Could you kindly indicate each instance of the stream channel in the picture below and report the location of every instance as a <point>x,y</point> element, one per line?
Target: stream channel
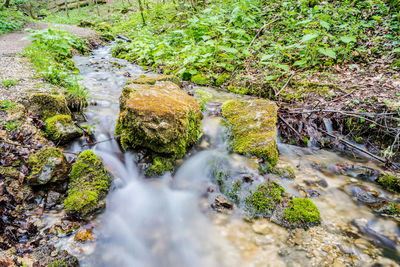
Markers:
<point>168,221</point>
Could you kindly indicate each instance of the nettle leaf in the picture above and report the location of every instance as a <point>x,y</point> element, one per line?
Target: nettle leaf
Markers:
<point>308,37</point>
<point>266,57</point>
<point>283,67</point>
<point>325,24</point>
<point>327,52</point>
<point>347,39</point>
<point>301,62</point>
<point>228,49</point>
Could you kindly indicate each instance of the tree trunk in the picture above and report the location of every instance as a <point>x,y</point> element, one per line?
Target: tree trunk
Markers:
<point>141,11</point>
<point>7,3</point>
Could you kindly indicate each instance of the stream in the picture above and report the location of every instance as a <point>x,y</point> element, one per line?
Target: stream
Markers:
<point>168,221</point>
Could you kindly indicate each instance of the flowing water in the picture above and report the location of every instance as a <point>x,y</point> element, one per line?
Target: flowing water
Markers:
<point>168,221</point>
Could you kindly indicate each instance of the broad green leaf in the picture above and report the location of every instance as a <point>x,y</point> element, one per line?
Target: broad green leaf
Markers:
<point>396,50</point>
<point>283,67</point>
<point>228,49</point>
<point>301,62</point>
<point>309,37</point>
<point>327,52</point>
<point>347,39</point>
<point>266,57</point>
<point>325,24</point>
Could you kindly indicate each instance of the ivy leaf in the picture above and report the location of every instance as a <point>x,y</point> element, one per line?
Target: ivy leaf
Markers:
<point>347,39</point>
<point>327,52</point>
<point>309,37</point>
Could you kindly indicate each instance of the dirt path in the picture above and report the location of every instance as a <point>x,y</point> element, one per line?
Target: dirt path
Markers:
<point>14,67</point>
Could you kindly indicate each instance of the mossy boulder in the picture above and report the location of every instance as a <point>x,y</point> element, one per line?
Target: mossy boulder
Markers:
<point>153,79</point>
<point>160,118</point>
<point>89,184</point>
<point>302,212</point>
<point>390,182</point>
<point>46,105</point>
<point>48,165</point>
<point>200,79</point>
<point>253,127</point>
<point>61,129</point>
<point>263,201</point>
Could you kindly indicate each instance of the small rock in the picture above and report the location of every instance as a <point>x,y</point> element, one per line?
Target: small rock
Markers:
<point>260,228</point>
<point>52,199</point>
<point>54,253</point>
<point>221,204</point>
<point>84,235</point>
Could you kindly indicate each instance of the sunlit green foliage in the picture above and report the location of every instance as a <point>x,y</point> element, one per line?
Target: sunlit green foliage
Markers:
<point>276,37</point>
<point>11,20</point>
<point>50,53</point>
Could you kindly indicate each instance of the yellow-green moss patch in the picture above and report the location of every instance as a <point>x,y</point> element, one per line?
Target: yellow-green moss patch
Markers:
<point>89,184</point>
<point>46,105</point>
<point>253,127</point>
<point>264,200</point>
<point>153,79</point>
<point>390,182</point>
<point>159,166</point>
<point>61,129</point>
<point>302,211</point>
<point>9,172</point>
<point>199,79</point>
<point>48,165</point>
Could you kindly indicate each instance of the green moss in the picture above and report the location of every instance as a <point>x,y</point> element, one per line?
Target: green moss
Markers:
<point>61,129</point>
<point>160,118</point>
<point>9,172</point>
<point>89,184</point>
<point>49,164</point>
<point>159,166</point>
<point>390,182</point>
<point>302,211</point>
<point>394,208</point>
<point>153,79</point>
<point>222,79</point>
<point>46,105</point>
<point>262,201</point>
<point>238,90</point>
<point>58,263</point>
<point>199,79</point>
<point>253,127</point>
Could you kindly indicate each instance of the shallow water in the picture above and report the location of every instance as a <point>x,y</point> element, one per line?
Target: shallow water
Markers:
<point>168,221</point>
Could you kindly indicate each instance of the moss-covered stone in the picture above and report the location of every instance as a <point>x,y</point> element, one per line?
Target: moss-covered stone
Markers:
<point>48,165</point>
<point>89,184</point>
<point>61,129</point>
<point>46,105</point>
<point>253,127</point>
<point>16,112</point>
<point>159,166</point>
<point>199,79</point>
<point>222,79</point>
<point>160,118</point>
<point>302,212</point>
<point>9,172</point>
<point>153,79</point>
<point>264,200</point>
<point>389,181</point>
<point>284,172</point>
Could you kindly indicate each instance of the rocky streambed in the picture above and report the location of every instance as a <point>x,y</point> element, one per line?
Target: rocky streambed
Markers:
<point>193,178</point>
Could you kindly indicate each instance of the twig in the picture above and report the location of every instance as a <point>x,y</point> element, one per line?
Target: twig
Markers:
<point>259,31</point>
<point>290,126</point>
<point>102,141</point>
<point>284,86</point>
<point>354,146</point>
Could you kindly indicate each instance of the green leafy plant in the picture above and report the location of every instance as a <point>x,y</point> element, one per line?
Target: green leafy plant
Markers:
<point>9,83</point>
<point>6,105</point>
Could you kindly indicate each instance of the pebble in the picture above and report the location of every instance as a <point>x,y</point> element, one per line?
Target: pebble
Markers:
<point>260,228</point>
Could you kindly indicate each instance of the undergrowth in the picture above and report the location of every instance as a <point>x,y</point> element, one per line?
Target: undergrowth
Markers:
<point>259,38</point>
<point>11,20</point>
<point>50,53</point>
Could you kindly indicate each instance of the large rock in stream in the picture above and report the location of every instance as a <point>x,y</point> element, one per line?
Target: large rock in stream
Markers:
<point>89,184</point>
<point>253,127</point>
<point>156,115</point>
